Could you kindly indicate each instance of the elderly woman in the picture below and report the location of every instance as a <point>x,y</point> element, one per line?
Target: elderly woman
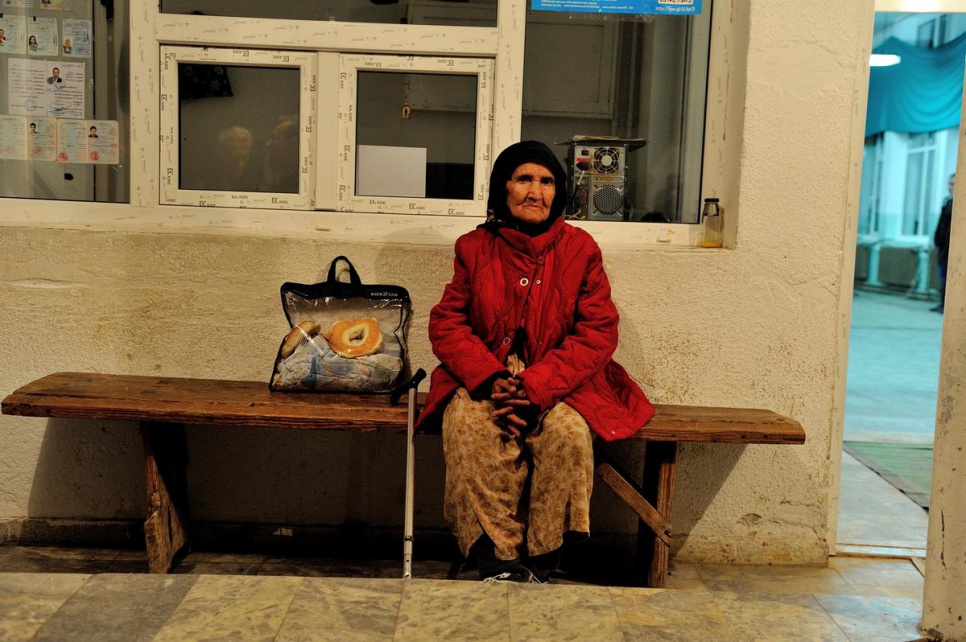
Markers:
<point>525,333</point>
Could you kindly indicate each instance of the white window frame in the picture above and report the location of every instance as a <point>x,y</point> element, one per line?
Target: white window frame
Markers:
<point>503,44</point>
<point>171,193</point>
<point>350,65</point>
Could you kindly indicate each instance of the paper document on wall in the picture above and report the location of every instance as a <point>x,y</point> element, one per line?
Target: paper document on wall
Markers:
<point>76,39</point>
<point>94,142</point>
<point>42,88</point>
<point>13,34</point>
<point>391,171</point>
<point>24,138</point>
<point>42,37</point>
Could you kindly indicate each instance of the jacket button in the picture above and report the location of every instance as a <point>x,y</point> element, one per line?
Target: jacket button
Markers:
<point>537,282</point>
<point>506,341</point>
<point>524,281</point>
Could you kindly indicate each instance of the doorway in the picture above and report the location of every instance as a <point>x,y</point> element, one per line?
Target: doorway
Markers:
<point>896,330</point>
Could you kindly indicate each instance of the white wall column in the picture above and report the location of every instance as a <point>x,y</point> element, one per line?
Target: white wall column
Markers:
<point>944,609</point>
<point>892,186</point>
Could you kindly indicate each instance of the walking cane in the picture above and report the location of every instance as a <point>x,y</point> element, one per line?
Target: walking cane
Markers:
<point>411,386</point>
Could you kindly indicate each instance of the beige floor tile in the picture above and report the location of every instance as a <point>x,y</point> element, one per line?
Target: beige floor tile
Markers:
<point>684,577</point>
<point>685,584</point>
<point>835,585</point>
<point>884,590</point>
<point>45,559</point>
<point>346,610</point>
<point>210,557</point>
<point>448,610</point>
<point>683,571</point>
<point>669,616</point>
<point>121,608</point>
<point>27,600</point>
<point>787,618</point>
<point>862,550</point>
<point>780,579</point>
<point>71,552</point>
<point>749,571</point>
<point>873,512</point>
<point>883,619</point>
<point>231,608</point>
<point>548,612</point>
<point>859,571</point>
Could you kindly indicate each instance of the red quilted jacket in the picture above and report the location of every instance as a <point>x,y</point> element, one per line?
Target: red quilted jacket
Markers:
<point>554,286</point>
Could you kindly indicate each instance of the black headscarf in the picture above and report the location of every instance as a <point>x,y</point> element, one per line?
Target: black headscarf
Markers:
<point>528,151</point>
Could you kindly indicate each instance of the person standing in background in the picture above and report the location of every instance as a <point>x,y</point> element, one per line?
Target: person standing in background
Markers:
<point>941,240</point>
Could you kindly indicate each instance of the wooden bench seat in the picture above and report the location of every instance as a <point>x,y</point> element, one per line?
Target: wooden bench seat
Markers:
<point>164,405</point>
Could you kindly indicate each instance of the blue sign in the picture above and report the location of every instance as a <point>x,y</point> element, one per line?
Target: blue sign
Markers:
<point>659,7</point>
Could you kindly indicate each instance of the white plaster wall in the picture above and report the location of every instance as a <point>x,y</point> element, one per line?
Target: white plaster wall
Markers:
<point>944,610</point>
<point>757,325</point>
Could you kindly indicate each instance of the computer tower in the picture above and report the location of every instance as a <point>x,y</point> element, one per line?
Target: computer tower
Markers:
<point>597,180</point>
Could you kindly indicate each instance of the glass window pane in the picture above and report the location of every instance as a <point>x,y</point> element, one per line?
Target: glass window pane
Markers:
<point>913,197</point>
<point>628,78</point>
<point>61,81</point>
<point>927,196</point>
<point>481,14</point>
<point>420,111</point>
<point>238,128</point>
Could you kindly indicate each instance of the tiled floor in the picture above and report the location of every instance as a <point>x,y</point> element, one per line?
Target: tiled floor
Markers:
<point>858,599</point>
<point>891,397</point>
<point>876,518</point>
<point>893,373</point>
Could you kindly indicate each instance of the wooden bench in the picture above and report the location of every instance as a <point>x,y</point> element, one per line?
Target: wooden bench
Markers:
<point>165,405</point>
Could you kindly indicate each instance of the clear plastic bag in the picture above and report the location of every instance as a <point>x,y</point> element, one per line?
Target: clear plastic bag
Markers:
<point>344,337</point>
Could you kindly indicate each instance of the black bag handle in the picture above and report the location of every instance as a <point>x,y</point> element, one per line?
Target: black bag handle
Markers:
<point>353,275</point>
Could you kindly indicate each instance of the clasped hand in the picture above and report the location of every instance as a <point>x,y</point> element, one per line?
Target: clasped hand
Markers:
<point>510,402</point>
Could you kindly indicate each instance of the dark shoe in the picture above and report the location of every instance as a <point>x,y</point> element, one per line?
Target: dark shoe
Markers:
<point>495,570</point>
<point>519,576</point>
<point>543,565</point>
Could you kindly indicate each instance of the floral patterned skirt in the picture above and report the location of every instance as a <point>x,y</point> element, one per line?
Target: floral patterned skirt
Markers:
<point>524,492</point>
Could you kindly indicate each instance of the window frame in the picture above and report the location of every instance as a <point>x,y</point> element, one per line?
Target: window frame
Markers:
<point>350,66</point>
<point>504,44</point>
<point>171,192</point>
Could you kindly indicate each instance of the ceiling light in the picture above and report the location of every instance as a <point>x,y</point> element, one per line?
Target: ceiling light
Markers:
<point>883,60</point>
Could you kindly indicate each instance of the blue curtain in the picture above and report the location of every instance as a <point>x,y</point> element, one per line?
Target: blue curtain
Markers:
<point>922,93</point>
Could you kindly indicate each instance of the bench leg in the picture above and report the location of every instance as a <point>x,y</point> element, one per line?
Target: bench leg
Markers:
<point>657,488</point>
<point>620,482</point>
<point>166,527</point>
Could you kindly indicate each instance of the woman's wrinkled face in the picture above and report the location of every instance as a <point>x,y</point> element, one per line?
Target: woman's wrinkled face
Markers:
<point>530,192</point>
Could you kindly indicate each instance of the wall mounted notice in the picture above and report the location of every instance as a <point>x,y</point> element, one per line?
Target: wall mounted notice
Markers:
<point>13,34</point>
<point>55,5</point>
<point>28,138</point>
<point>76,40</point>
<point>659,7</point>
<point>88,141</point>
<point>42,37</point>
<point>42,88</point>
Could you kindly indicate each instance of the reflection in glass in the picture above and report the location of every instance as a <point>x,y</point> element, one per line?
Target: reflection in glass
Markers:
<point>480,13</point>
<point>435,112</point>
<point>632,77</point>
<point>238,128</point>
